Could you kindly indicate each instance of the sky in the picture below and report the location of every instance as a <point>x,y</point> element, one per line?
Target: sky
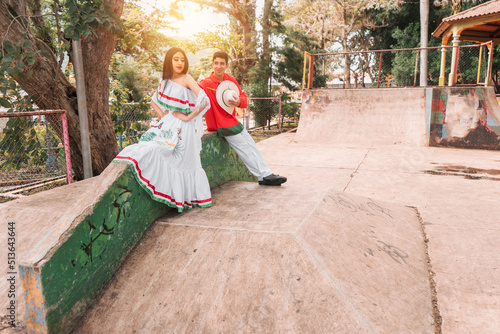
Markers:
<point>195,20</point>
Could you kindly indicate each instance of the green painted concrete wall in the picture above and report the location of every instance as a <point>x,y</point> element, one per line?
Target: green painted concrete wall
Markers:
<point>67,283</point>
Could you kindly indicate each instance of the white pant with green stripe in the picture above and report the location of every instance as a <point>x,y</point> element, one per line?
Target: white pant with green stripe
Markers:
<point>244,145</point>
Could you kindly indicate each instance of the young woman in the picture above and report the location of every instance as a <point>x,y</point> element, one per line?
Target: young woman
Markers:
<point>166,161</point>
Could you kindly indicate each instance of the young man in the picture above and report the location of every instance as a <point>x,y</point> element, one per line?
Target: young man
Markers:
<point>227,125</point>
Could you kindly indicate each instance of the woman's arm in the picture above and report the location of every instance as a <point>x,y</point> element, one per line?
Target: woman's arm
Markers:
<point>193,114</point>
<point>158,111</point>
<point>191,84</point>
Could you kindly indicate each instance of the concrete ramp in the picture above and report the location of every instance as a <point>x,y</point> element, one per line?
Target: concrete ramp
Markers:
<point>363,117</point>
<point>464,117</point>
<point>334,263</point>
<point>66,243</point>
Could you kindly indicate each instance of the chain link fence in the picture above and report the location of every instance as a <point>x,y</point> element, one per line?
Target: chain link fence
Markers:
<point>262,112</point>
<point>396,68</point>
<point>34,150</point>
<point>34,146</point>
<point>130,121</point>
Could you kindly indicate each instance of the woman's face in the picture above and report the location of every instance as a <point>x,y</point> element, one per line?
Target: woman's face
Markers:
<point>178,62</point>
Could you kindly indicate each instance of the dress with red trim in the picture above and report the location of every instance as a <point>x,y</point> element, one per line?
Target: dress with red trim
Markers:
<point>166,161</point>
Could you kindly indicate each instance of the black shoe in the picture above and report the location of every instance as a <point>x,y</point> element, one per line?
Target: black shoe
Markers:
<point>272,180</point>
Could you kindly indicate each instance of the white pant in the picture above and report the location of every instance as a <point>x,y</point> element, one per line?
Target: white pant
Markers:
<point>245,147</point>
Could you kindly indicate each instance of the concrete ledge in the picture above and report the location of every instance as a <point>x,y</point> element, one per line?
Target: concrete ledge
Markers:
<point>64,271</point>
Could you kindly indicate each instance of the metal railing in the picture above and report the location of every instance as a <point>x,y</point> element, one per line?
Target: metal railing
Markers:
<point>468,65</point>
<point>34,150</point>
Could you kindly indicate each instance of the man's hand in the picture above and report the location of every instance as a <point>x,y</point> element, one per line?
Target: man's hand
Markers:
<point>234,102</point>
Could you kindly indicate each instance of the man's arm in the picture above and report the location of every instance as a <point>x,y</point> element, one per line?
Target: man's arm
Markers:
<point>243,99</point>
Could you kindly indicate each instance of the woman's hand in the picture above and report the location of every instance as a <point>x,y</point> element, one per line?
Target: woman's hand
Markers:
<point>158,111</point>
<point>193,114</point>
<point>181,116</point>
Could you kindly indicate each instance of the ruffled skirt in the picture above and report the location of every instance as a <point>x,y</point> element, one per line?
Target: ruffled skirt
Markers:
<point>166,163</point>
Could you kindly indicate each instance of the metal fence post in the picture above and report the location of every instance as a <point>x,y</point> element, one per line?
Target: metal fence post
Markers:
<point>82,109</point>
<point>69,171</point>
<point>304,71</point>
<point>490,64</point>
<point>311,72</point>
<point>279,114</point>
<point>379,69</point>
<point>416,70</point>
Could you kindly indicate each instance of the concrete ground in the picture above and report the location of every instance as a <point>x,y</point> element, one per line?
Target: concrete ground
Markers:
<point>162,287</point>
<point>339,248</point>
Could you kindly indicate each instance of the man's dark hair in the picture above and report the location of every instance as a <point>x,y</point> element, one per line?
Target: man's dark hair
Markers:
<point>221,54</point>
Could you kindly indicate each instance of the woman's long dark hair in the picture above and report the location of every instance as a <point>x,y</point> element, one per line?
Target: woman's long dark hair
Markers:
<point>168,69</point>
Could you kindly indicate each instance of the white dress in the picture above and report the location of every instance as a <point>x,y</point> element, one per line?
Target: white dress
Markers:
<point>166,161</point>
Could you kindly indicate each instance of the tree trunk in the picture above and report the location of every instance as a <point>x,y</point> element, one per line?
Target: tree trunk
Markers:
<point>51,90</point>
<point>347,59</point>
<point>266,27</point>
<point>244,13</point>
<point>424,36</point>
<point>246,17</point>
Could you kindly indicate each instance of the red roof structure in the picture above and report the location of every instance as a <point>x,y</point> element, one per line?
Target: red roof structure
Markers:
<point>478,24</point>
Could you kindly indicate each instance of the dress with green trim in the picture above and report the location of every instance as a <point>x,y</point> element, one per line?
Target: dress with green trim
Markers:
<point>166,161</point>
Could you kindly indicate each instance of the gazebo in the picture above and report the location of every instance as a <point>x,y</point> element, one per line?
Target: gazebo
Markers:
<point>479,24</point>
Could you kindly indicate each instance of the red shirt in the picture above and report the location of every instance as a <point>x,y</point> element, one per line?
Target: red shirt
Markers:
<point>217,118</point>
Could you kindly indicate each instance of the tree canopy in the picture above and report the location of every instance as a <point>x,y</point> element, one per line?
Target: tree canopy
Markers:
<point>124,43</point>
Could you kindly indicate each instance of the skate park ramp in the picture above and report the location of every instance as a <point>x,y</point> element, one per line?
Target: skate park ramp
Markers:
<point>66,243</point>
<point>363,117</point>
<point>370,234</point>
<point>326,251</point>
<point>350,264</point>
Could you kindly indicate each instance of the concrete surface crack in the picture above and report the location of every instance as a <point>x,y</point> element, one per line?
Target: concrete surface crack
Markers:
<point>352,174</point>
<point>434,300</point>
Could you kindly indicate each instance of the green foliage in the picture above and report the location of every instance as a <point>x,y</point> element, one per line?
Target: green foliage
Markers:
<point>14,63</point>
<point>289,69</point>
<point>403,64</point>
<point>204,67</point>
<point>21,144</point>
<point>266,109</point>
<point>130,120</point>
<point>222,38</point>
<point>14,99</point>
<point>82,16</point>
<point>140,37</point>
<point>24,143</point>
<point>289,110</point>
<point>261,108</point>
<point>134,77</point>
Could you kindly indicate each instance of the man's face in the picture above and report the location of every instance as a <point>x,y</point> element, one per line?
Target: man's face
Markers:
<point>220,66</point>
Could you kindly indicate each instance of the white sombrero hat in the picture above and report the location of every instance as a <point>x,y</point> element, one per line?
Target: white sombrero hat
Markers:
<point>227,90</point>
